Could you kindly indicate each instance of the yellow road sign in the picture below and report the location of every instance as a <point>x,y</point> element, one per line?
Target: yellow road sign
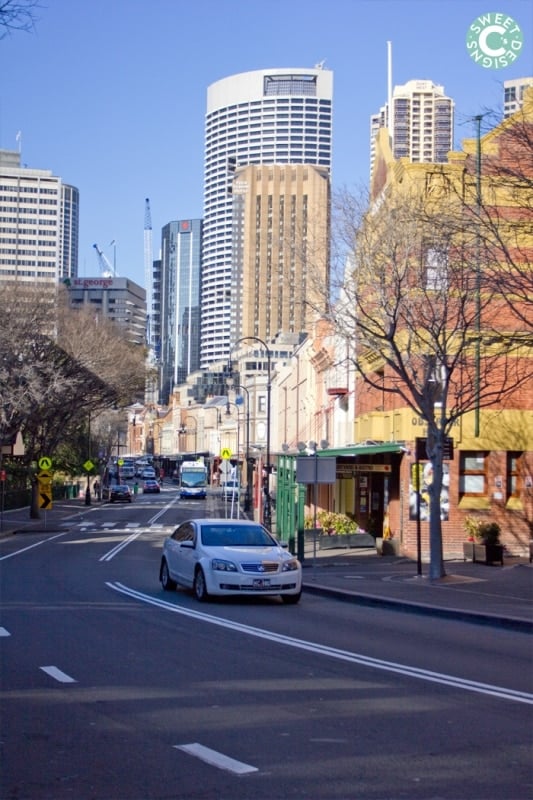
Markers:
<point>225,453</point>
<point>45,496</point>
<point>45,463</point>
<point>88,465</point>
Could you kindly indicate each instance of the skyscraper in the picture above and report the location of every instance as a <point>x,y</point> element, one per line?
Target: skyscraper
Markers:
<point>265,117</point>
<point>38,224</point>
<point>179,293</point>
<point>281,248</point>
<point>420,123</point>
<point>513,94</point>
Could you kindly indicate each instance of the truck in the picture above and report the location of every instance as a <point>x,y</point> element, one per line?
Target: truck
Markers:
<point>193,479</point>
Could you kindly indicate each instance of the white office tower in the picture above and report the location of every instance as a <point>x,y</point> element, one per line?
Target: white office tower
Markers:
<point>419,117</point>
<point>38,224</point>
<point>278,116</point>
<point>513,94</point>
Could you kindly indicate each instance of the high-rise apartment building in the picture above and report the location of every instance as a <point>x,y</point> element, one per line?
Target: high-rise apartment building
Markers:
<point>513,94</point>
<point>264,117</point>
<point>419,118</point>
<point>280,249</point>
<point>39,217</point>
<point>179,303</point>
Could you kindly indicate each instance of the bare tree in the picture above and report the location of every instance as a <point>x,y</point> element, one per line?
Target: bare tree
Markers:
<point>424,324</point>
<point>50,383</point>
<point>17,15</point>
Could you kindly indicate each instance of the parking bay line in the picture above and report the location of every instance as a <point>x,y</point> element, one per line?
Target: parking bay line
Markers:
<point>216,759</point>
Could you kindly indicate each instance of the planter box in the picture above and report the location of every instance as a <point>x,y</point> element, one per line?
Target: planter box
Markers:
<point>387,547</point>
<point>483,553</point>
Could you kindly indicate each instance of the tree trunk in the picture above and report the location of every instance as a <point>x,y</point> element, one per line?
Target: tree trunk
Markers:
<point>436,560</point>
<point>34,506</point>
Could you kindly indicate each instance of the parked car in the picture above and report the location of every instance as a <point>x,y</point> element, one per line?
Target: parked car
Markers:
<point>229,557</point>
<point>151,486</point>
<point>119,493</point>
<point>231,489</point>
<point>148,473</point>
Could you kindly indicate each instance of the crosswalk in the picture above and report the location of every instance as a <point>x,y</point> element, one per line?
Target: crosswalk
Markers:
<point>84,527</point>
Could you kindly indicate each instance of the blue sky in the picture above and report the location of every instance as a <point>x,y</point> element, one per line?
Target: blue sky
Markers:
<point>110,94</point>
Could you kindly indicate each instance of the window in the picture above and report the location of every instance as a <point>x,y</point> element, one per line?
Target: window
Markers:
<point>473,474</point>
<point>261,403</point>
<point>513,474</point>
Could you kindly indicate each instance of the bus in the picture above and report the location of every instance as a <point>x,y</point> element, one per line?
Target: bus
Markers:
<point>193,479</point>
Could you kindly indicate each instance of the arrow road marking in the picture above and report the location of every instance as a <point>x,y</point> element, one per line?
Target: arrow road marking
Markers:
<point>334,652</point>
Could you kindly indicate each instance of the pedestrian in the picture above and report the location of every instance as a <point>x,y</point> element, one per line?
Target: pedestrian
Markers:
<point>96,489</point>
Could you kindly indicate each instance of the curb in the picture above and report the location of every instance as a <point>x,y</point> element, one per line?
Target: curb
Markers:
<point>475,617</point>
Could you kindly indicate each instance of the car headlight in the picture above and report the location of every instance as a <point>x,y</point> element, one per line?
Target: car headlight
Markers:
<point>223,566</point>
<point>290,566</point>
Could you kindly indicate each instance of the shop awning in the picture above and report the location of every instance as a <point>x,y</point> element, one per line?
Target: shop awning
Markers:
<point>352,451</point>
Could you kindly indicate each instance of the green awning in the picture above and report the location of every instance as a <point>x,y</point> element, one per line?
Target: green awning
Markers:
<point>354,450</point>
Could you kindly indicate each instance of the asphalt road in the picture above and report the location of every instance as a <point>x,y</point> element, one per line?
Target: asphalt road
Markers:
<point>115,690</point>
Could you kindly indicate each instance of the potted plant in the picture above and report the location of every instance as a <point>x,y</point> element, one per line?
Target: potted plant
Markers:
<point>483,543</point>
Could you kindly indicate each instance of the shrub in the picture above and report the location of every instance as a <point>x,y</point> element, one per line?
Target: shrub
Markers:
<point>480,531</point>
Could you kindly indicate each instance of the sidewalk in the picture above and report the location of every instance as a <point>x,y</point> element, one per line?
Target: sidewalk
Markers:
<point>498,596</point>
<point>489,595</point>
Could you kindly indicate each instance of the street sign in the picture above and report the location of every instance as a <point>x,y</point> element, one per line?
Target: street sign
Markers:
<point>45,490</point>
<point>45,463</point>
<point>226,453</point>
<point>88,465</point>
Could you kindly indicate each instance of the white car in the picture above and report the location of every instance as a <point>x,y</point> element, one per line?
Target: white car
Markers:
<point>231,490</point>
<point>229,557</point>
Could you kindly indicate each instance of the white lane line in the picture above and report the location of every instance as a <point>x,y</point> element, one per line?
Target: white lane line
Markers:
<point>4,632</point>
<point>56,673</point>
<point>31,546</point>
<point>333,652</point>
<point>216,759</point>
<point>120,546</point>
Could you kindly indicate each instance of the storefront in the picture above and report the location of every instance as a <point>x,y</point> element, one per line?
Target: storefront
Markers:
<point>367,482</point>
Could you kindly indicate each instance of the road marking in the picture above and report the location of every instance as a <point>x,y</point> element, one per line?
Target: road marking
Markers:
<point>120,546</point>
<point>333,652</point>
<point>4,632</point>
<point>216,759</point>
<point>56,673</point>
<point>31,546</point>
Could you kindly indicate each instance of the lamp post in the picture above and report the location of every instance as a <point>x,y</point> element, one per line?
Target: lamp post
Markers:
<point>267,517</point>
<point>236,386</point>
<point>228,413</point>
<point>184,429</point>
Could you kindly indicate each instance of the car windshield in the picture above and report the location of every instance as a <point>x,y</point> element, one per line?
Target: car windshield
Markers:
<point>235,536</point>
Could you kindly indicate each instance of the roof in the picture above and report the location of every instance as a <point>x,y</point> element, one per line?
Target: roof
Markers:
<point>354,450</point>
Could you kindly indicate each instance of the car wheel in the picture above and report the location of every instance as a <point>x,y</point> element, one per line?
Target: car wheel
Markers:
<point>199,586</point>
<point>166,581</point>
<point>291,599</point>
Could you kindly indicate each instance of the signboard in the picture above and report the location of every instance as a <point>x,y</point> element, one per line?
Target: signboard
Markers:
<point>421,449</point>
<point>310,469</point>
<point>225,453</point>
<point>348,470</point>
<point>45,490</point>
<point>88,465</point>
<point>45,463</point>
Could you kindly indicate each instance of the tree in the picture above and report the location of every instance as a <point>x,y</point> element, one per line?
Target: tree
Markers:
<point>423,323</point>
<point>50,385</point>
<point>17,15</point>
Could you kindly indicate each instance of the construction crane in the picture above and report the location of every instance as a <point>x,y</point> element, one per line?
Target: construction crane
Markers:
<point>148,271</point>
<point>106,268</point>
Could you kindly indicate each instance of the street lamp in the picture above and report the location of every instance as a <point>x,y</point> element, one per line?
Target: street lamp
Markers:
<point>231,384</point>
<point>267,517</point>
<point>228,413</point>
<point>184,429</point>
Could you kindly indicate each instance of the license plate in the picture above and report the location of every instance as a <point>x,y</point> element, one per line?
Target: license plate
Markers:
<point>261,583</point>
